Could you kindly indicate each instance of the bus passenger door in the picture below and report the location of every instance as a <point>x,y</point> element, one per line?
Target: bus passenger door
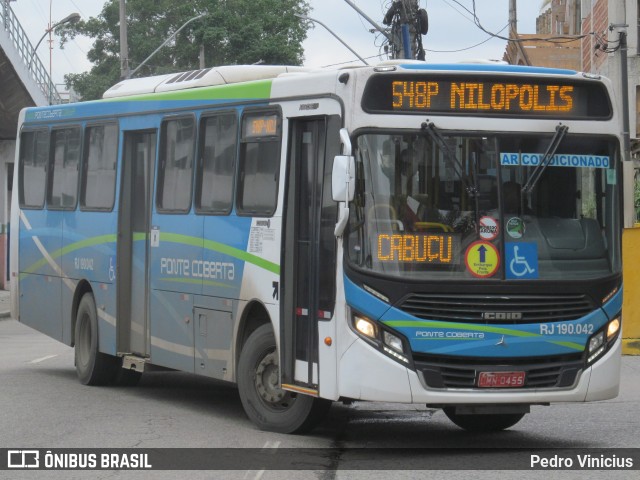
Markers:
<point>139,158</point>
<point>309,248</point>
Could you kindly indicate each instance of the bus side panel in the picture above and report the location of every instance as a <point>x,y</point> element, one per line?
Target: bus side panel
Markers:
<point>89,243</point>
<point>224,238</point>
<point>172,342</point>
<point>214,327</point>
<point>89,246</point>
<point>40,302</point>
<point>176,277</point>
<point>176,254</point>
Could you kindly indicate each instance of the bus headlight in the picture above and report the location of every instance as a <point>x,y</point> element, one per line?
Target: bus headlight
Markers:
<point>603,339</point>
<point>364,326</point>
<point>391,344</point>
<point>596,346</point>
<point>613,328</point>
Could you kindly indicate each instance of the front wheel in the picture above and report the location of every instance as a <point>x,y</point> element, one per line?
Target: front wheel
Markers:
<point>493,422</point>
<point>265,403</point>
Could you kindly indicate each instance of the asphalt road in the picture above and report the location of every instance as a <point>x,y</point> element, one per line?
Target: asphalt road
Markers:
<point>42,405</point>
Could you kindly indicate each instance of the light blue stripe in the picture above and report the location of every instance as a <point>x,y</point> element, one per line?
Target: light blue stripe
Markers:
<point>482,67</point>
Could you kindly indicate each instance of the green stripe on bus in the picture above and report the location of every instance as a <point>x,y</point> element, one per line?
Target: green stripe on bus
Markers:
<point>88,242</point>
<point>195,281</point>
<point>221,248</point>
<point>168,237</point>
<point>458,326</point>
<point>480,328</point>
<point>574,346</point>
<point>260,89</point>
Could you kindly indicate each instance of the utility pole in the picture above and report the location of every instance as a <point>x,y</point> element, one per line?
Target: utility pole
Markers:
<point>124,44</point>
<point>513,18</point>
<point>624,86</point>
<point>408,22</point>
<point>513,34</point>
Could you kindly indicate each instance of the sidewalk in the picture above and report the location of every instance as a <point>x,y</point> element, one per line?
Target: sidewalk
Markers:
<point>5,306</point>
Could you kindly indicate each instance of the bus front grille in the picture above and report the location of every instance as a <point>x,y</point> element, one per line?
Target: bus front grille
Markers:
<point>497,309</point>
<point>558,372</point>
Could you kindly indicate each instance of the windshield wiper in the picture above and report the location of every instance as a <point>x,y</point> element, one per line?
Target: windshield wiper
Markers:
<point>437,138</point>
<point>472,190</point>
<point>561,131</point>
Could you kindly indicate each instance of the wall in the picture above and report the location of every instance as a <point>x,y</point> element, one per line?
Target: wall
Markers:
<point>7,154</point>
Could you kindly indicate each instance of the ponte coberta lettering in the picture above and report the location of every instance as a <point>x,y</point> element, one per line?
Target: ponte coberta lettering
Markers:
<point>183,267</point>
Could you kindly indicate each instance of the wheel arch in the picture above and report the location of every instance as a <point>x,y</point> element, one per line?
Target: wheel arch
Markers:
<point>254,315</point>
<point>83,287</point>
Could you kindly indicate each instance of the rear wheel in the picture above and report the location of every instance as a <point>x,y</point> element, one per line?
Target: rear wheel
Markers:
<point>265,403</point>
<point>492,422</point>
<point>92,366</point>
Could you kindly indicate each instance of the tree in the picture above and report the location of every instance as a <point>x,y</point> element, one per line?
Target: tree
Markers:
<point>233,32</point>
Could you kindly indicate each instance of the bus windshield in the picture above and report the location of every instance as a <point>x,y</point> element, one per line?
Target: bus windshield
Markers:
<point>455,208</point>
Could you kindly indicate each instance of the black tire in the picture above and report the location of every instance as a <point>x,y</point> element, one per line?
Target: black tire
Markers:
<point>423,19</point>
<point>267,405</point>
<point>92,367</point>
<point>493,422</point>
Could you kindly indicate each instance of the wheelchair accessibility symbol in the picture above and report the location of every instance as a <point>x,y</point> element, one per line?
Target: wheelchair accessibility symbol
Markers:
<point>521,260</point>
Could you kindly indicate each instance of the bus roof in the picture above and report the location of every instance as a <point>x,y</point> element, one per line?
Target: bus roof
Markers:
<point>207,77</point>
<point>231,74</point>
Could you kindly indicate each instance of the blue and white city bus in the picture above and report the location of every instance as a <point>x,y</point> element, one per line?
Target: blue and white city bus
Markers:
<point>446,235</point>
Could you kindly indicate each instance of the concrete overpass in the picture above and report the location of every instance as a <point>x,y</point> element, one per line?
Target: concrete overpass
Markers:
<point>24,82</point>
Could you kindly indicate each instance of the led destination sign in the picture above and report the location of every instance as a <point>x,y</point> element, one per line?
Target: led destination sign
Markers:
<point>436,249</point>
<point>260,126</point>
<point>486,96</point>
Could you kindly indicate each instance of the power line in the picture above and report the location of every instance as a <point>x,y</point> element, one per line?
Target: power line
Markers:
<point>352,61</point>
<point>461,14</point>
<point>555,39</point>
<point>466,48</point>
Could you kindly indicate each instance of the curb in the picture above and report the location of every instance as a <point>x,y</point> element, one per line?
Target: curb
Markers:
<point>631,346</point>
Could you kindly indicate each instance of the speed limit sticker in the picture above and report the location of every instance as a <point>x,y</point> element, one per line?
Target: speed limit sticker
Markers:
<point>488,228</point>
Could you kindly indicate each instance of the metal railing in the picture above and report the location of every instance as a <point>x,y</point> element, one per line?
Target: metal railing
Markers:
<point>27,54</point>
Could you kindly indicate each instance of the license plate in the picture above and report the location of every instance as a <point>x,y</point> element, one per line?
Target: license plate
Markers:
<point>501,379</point>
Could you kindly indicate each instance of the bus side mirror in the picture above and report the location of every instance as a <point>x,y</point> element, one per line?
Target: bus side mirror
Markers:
<point>343,183</point>
<point>343,187</point>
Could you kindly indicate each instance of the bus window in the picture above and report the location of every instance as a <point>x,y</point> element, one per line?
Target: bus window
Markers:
<point>63,175</point>
<point>99,167</point>
<point>34,151</point>
<point>176,168</point>
<point>259,164</point>
<point>218,152</point>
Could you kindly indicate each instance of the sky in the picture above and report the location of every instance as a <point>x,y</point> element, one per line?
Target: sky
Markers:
<point>450,28</point>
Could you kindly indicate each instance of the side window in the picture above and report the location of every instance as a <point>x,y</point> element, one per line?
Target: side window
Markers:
<point>218,140</point>
<point>34,153</point>
<point>176,167</point>
<point>63,174</point>
<point>259,164</point>
<point>98,186</point>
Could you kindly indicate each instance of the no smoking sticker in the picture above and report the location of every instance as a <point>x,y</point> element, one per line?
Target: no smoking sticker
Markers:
<point>488,228</point>
<point>482,259</point>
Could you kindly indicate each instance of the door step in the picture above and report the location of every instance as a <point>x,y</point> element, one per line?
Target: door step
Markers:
<point>131,362</point>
